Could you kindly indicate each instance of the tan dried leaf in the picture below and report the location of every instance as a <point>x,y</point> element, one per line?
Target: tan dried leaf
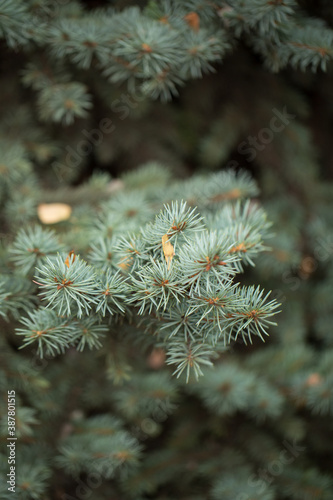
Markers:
<point>168,249</point>
<point>68,257</point>
<point>51,213</point>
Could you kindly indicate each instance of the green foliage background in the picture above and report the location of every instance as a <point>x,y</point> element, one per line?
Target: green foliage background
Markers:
<point>236,107</point>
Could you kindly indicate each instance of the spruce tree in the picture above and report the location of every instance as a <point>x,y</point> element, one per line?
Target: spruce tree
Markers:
<point>166,250</point>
